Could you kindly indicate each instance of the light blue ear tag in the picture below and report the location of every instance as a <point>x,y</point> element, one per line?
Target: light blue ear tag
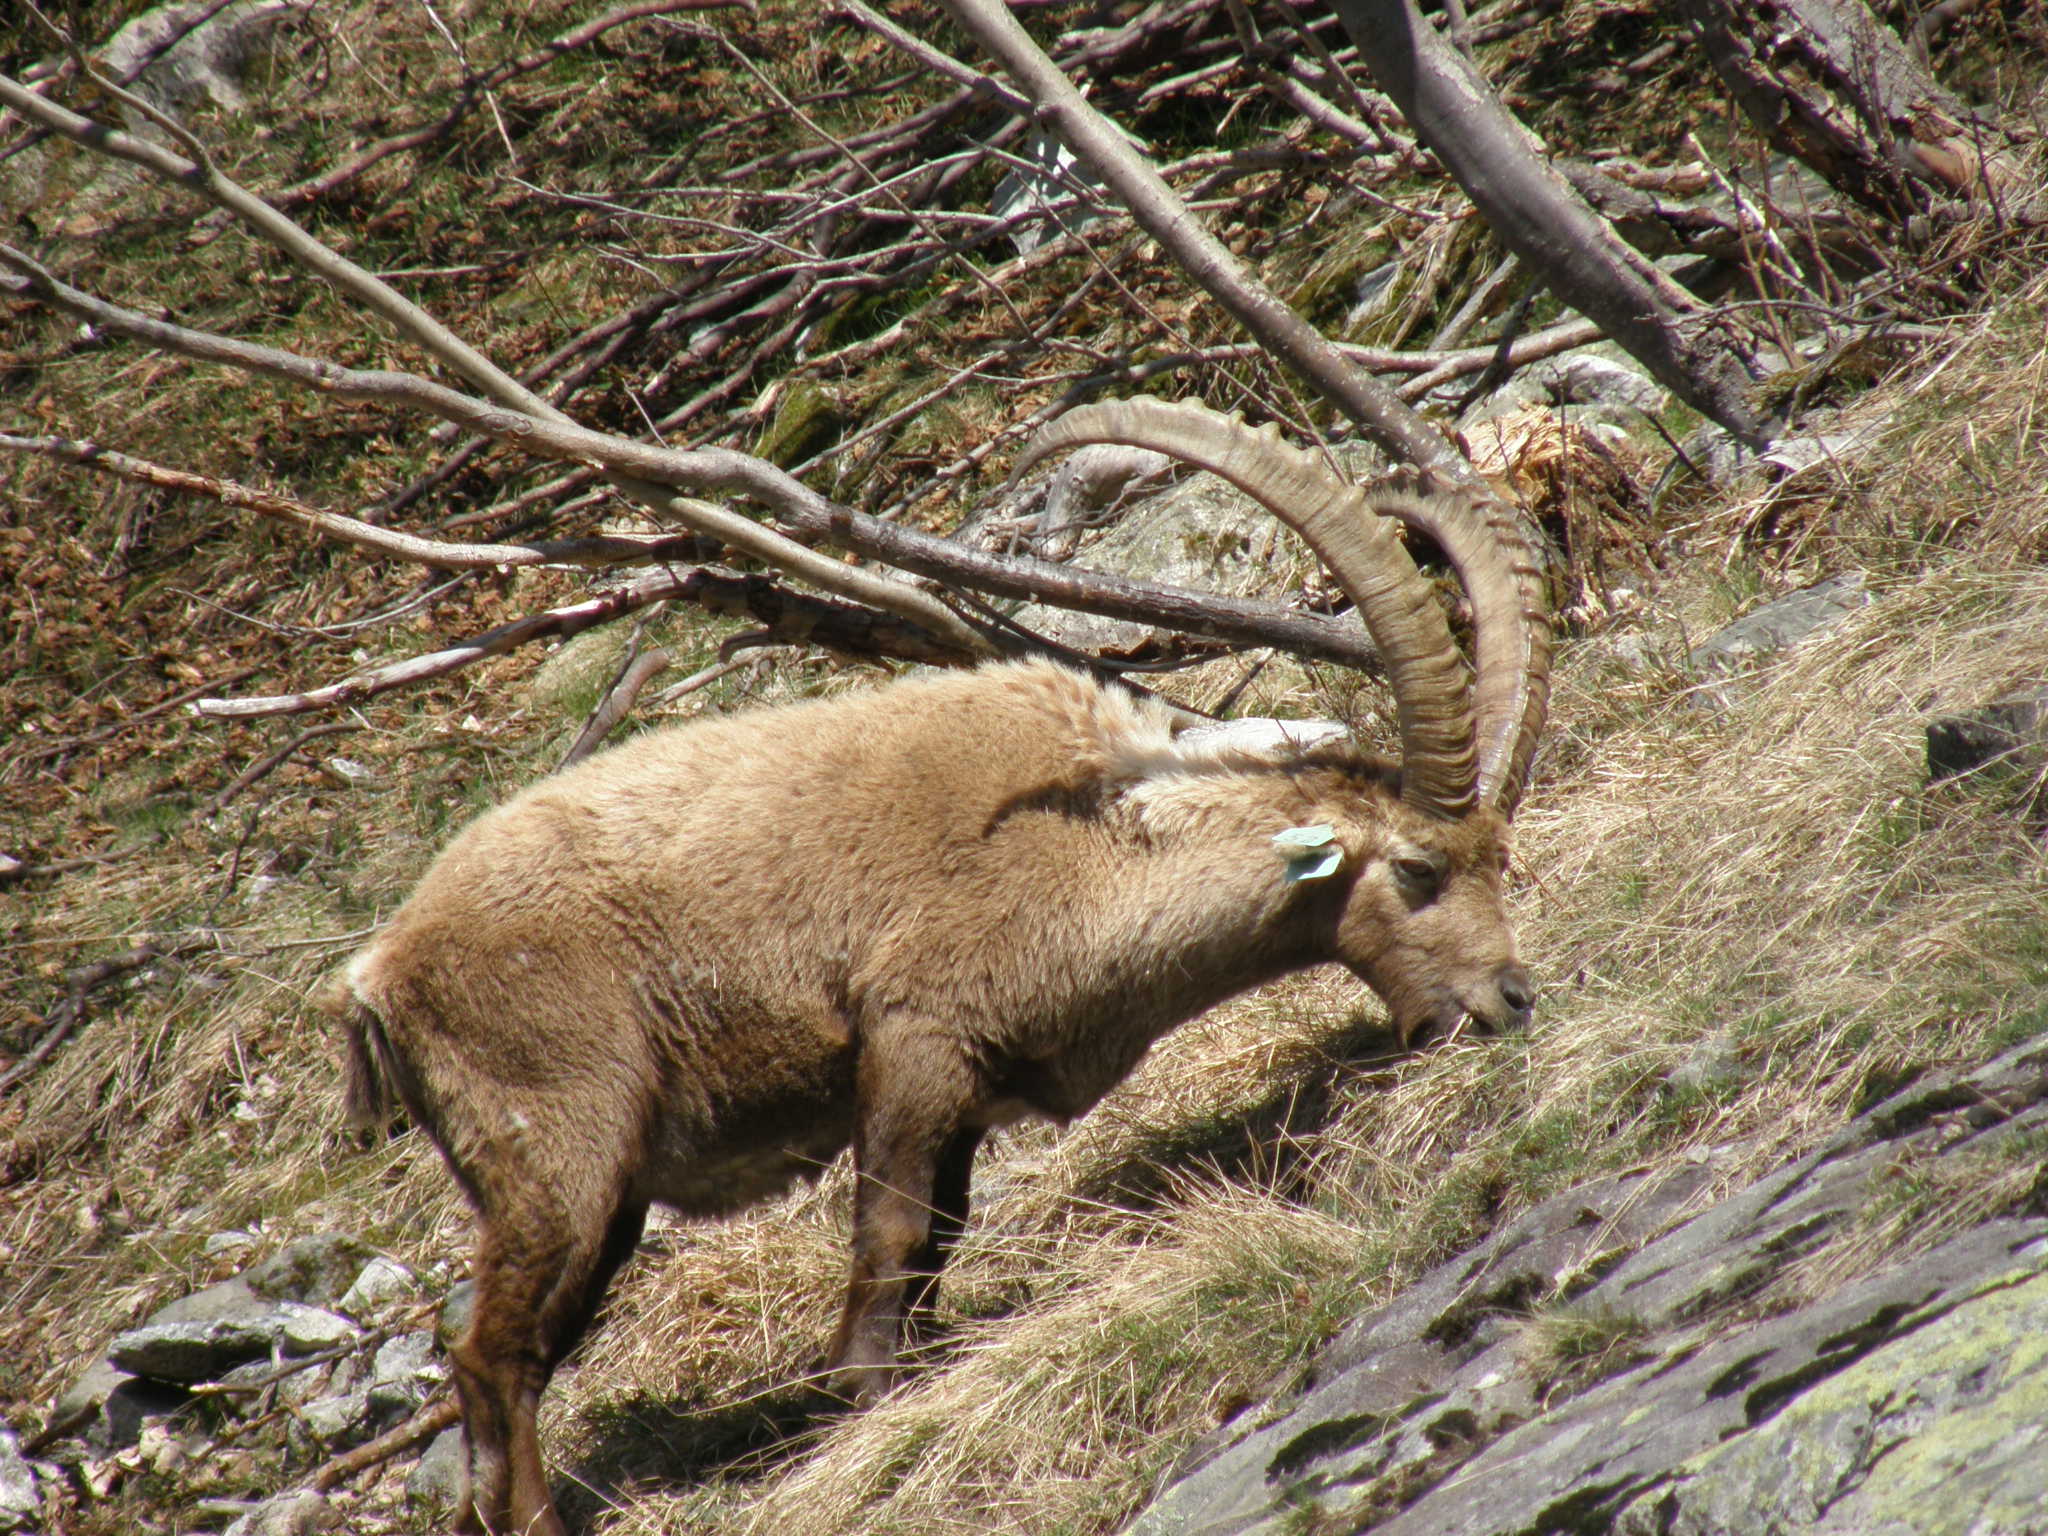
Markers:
<point>1311,852</point>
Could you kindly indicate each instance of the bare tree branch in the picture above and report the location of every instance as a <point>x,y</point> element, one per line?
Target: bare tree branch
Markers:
<point>69,1011</point>
<point>723,470</point>
<point>270,762</point>
<point>1162,214</point>
<point>439,342</point>
<point>607,550</point>
<point>639,668</point>
<point>1536,214</point>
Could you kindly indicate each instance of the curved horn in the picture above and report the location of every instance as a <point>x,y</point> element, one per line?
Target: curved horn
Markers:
<point>1498,566</point>
<point>1431,700</point>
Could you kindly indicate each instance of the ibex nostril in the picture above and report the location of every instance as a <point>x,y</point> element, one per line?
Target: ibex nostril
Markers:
<point>1516,989</point>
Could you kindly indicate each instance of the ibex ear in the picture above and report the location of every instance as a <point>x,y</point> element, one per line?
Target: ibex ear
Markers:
<point>1311,853</point>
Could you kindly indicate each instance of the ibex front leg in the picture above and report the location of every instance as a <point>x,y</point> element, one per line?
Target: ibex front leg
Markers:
<point>949,1219</point>
<point>915,1092</point>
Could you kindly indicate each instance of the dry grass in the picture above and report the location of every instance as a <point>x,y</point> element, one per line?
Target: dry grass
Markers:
<point>1768,880</point>
<point>1772,877</point>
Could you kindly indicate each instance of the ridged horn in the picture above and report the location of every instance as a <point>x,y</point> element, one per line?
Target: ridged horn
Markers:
<point>1498,566</point>
<point>1432,703</point>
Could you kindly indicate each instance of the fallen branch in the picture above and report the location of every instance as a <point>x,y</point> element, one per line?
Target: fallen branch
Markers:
<point>416,325</point>
<point>13,869</point>
<point>792,619</point>
<point>633,675</point>
<point>613,549</point>
<point>128,723</point>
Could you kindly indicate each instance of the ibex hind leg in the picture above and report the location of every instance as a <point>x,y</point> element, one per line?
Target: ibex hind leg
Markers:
<point>572,1307</point>
<point>538,1285</point>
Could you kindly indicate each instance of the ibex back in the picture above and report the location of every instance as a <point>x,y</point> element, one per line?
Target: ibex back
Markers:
<point>697,967</point>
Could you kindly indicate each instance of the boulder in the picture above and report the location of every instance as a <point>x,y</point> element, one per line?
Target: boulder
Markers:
<point>196,52</point>
<point>383,1284</point>
<point>436,1481</point>
<point>1202,535</point>
<point>405,1373</point>
<point>316,1270</point>
<point>207,1350</point>
<point>189,1352</point>
<point>289,1514</point>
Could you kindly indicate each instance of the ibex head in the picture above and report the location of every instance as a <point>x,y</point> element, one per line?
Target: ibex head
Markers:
<point>1416,897</point>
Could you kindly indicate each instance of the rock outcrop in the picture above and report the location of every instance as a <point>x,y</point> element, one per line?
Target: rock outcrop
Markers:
<point>1649,1357</point>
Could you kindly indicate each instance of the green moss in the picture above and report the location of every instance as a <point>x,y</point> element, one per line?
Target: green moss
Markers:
<point>806,421</point>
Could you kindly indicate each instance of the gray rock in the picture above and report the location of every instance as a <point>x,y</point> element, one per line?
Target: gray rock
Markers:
<point>1203,535</point>
<point>382,1285</point>
<point>405,1373</point>
<point>133,1406</point>
<point>230,1301</point>
<point>455,1314</point>
<point>266,1388</point>
<point>233,1245</point>
<point>1792,457</point>
<point>437,1479</point>
<point>21,1499</point>
<point>289,1514</point>
<point>1092,487</point>
<point>2011,734</point>
<point>1780,625</point>
<point>1372,293</point>
<point>1710,1066</point>
<point>83,1400</point>
<point>189,1352</point>
<point>1716,455</point>
<point>1589,377</point>
<point>338,1420</point>
<point>1053,179</point>
<point>1938,1431</point>
<point>207,1350</point>
<point>303,1330</point>
<point>109,1408</point>
<point>316,1270</point>
<point>1597,386</point>
<point>198,51</point>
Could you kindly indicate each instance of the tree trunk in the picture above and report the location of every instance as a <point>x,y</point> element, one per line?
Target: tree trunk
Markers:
<point>1540,218</point>
<point>1832,86</point>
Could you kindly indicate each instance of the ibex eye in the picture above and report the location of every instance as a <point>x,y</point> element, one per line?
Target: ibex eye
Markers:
<point>1419,872</point>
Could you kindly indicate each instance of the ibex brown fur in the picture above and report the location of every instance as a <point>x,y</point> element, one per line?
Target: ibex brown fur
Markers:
<point>695,968</point>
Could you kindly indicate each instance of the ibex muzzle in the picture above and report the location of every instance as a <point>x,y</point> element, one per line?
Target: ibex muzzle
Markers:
<point>695,968</point>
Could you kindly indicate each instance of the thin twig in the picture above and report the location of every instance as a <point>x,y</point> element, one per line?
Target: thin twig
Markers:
<point>272,761</point>
<point>633,675</point>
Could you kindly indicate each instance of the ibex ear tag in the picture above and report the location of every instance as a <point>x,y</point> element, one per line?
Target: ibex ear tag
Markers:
<point>1311,852</point>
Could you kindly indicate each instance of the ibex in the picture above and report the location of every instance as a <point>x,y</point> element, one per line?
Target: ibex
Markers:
<point>694,968</point>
